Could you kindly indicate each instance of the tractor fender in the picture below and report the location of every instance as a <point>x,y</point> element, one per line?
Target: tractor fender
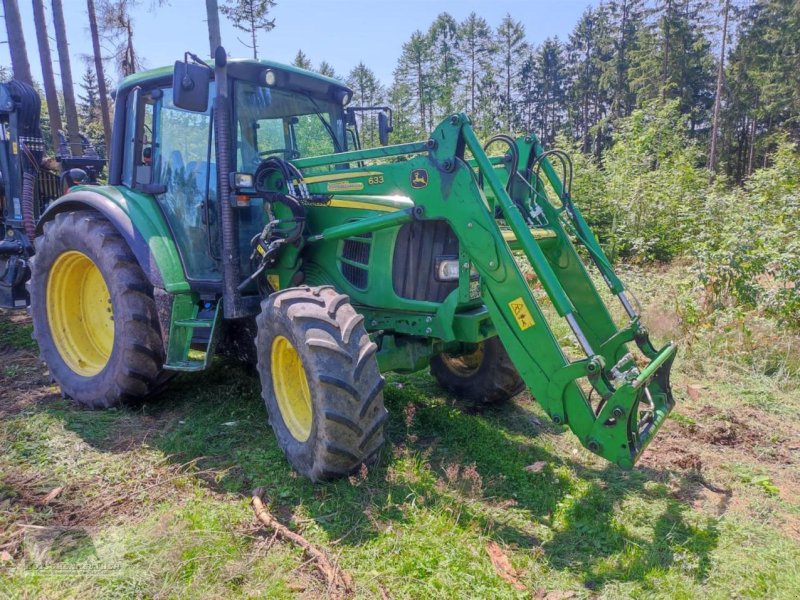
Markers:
<point>139,221</point>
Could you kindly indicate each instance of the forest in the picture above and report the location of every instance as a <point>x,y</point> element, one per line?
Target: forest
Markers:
<point>682,119</point>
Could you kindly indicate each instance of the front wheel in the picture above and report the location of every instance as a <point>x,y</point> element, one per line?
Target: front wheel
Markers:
<point>483,375</point>
<point>93,312</point>
<point>320,381</point>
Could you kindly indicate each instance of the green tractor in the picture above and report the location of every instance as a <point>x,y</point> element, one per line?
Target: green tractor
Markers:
<point>241,216</point>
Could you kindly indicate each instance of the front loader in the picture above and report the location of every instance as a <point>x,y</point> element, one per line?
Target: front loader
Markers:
<point>241,216</point>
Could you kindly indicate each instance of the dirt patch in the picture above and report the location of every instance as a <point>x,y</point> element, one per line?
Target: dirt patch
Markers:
<point>728,428</point>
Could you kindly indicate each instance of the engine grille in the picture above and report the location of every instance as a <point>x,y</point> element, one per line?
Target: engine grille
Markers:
<point>355,259</point>
<point>418,245</point>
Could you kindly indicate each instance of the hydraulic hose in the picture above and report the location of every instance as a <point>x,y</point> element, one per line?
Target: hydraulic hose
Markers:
<point>28,214</point>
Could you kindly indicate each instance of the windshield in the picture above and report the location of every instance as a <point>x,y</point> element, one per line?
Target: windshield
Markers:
<point>274,122</point>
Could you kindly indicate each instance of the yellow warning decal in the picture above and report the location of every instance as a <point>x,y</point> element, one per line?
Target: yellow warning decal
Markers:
<point>521,313</point>
<point>274,281</point>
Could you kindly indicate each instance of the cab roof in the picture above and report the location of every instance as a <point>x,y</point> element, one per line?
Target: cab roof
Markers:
<point>249,69</point>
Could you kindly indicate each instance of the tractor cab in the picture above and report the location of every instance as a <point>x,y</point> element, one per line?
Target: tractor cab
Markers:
<point>169,148</point>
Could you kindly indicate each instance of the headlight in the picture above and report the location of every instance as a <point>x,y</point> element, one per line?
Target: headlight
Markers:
<point>448,268</point>
<point>241,180</point>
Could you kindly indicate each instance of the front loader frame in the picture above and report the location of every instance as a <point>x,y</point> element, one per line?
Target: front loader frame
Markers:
<point>633,402</point>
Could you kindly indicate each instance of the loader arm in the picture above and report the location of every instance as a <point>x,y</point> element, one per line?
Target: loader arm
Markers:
<point>631,401</point>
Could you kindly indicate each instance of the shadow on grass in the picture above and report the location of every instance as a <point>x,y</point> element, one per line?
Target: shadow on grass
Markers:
<point>601,524</point>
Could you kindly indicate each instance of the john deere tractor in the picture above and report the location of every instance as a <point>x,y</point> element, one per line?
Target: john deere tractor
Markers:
<point>241,212</point>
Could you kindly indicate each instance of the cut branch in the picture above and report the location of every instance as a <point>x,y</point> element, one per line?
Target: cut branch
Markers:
<point>340,584</point>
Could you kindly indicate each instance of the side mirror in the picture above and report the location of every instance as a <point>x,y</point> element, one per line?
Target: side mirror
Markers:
<point>190,85</point>
<point>384,128</point>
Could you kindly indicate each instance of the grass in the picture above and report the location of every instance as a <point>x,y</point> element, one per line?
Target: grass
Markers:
<point>156,499</point>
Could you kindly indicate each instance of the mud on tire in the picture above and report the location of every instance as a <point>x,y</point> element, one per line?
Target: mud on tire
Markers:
<point>344,386</point>
<point>134,366</point>
<point>484,376</point>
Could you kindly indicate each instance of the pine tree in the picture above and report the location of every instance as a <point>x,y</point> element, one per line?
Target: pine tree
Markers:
<point>301,61</point>
<point>48,79</point>
<point>475,53</point>
<point>510,39</point>
<point>16,42</point>
<point>626,18</point>
<point>66,79</point>
<point>444,42</point>
<point>413,74</point>
<point>102,87</point>
<point>551,73</point>
<point>367,91</point>
<point>587,53</point>
<point>326,69</point>
<point>250,16</point>
<point>89,107</point>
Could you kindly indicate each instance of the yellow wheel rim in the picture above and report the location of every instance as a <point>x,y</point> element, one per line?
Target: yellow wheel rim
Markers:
<point>291,388</point>
<point>80,314</point>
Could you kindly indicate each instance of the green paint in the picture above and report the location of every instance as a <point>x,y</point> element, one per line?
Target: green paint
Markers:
<point>149,223</point>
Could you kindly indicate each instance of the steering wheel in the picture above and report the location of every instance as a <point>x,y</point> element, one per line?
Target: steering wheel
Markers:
<point>288,152</point>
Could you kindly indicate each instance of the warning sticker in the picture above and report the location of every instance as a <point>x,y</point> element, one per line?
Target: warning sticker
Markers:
<point>521,313</point>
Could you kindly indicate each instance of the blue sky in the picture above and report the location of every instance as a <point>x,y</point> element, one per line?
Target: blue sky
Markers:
<point>343,32</point>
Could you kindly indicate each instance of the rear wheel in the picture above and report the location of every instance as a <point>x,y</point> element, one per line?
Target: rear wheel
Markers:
<point>320,381</point>
<point>484,375</point>
<point>94,316</point>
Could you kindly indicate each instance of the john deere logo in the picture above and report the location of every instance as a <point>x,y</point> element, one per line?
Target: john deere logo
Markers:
<point>419,178</point>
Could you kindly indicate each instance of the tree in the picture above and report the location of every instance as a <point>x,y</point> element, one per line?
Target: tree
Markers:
<point>66,79</point>
<point>301,61</point>
<point>475,53</point>
<point>16,42</point>
<point>443,34</point>
<point>214,36</point>
<point>673,59</point>
<point>49,80</point>
<point>550,70</point>
<point>102,90</point>
<point>413,73</point>
<point>626,18</point>
<point>89,107</point>
<point>511,44</point>
<point>367,91</point>
<point>712,155</point>
<point>326,69</point>
<point>250,16</point>
<point>116,25</point>
<point>587,53</point>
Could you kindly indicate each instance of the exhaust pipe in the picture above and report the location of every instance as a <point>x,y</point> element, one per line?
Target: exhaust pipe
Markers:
<point>231,275</point>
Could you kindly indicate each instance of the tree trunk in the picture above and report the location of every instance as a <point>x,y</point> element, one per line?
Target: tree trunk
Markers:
<point>214,37</point>
<point>712,157</point>
<point>255,43</point>
<point>101,77</point>
<point>66,79</point>
<point>667,49</point>
<point>49,80</point>
<point>16,43</point>
<point>129,62</point>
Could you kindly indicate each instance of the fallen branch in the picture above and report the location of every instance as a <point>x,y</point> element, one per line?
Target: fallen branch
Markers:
<point>340,584</point>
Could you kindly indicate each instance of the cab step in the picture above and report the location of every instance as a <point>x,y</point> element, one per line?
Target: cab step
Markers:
<point>188,328</point>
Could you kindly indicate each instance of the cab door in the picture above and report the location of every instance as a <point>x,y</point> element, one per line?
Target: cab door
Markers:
<point>183,163</point>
